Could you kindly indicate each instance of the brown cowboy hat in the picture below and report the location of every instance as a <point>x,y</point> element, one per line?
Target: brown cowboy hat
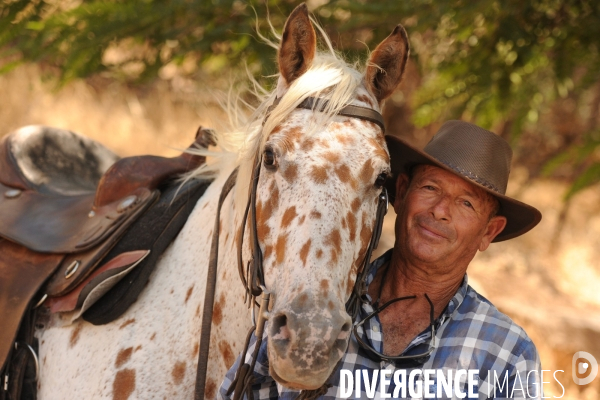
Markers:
<point>476,155</point>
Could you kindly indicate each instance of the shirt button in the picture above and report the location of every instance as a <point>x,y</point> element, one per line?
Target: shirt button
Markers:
<point>375,328</point>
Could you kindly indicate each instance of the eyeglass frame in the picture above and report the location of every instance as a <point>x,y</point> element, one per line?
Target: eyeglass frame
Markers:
<point>383,357</point>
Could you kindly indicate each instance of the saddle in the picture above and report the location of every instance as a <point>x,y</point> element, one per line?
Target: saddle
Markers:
<point>75,219</point>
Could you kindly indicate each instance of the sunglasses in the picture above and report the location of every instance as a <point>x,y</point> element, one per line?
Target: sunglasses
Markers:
<point>398,361</point>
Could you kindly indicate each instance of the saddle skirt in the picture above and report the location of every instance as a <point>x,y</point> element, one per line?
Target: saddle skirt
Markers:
<point>75,219</point>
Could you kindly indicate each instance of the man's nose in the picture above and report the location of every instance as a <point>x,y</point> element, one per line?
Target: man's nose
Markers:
<point>440,210</point>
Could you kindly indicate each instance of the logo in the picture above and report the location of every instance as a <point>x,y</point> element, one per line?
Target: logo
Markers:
<point>585,368</point>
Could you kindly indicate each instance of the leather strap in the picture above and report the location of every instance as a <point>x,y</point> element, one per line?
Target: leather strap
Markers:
<point>368,114</point>
<point>209,294</point>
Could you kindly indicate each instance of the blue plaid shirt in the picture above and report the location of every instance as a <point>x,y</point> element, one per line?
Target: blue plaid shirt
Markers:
<point>471,334</point>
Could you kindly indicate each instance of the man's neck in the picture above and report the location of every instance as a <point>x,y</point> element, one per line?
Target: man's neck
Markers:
<point>406,279</point>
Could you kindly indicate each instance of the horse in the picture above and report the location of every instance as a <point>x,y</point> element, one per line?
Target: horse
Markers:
<point>321,174</point>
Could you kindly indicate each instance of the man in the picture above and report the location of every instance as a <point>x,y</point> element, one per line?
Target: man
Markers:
<point>450,203</point>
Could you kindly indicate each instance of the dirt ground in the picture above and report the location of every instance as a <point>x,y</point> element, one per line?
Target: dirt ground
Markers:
<point>548,280</point>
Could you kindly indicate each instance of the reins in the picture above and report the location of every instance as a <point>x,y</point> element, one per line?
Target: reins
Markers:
<point>253,276</point>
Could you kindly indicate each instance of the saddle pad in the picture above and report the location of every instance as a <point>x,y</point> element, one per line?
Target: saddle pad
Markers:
<point>18,286</point>
<point>76,298</point>
<point>154,231</point>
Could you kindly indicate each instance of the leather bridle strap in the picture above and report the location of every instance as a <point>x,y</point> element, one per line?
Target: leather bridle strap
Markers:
<point>209,295</point>
<point>313,103</point>
<point>367,114</point>
<point>360,286</point>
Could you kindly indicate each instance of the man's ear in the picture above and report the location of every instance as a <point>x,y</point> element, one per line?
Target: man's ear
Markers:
<point>493,229</point>
<point>402,183</point>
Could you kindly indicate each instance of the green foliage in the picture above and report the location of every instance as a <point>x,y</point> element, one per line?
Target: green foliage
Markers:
<point>499,63</point>
<point>132,39</point>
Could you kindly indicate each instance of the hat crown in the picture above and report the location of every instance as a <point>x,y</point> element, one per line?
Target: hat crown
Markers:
<point>474,153</point>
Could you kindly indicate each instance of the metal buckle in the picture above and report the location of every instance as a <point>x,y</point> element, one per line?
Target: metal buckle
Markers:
<point>35,359</point>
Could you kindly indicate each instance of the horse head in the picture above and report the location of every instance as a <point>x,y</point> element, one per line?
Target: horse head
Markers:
<point>320,178</point>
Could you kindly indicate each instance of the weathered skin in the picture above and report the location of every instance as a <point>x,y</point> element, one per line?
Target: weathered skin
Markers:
<point>315,213</point>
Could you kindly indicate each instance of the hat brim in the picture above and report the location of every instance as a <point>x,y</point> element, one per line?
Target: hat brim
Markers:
<point>520,217</point>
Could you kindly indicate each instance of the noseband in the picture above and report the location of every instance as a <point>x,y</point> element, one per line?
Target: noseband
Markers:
<point>252,276</point>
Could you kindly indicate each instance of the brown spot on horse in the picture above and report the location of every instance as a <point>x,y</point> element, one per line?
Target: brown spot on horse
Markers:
<point>319,174</point>
<point>75,335</point>
<point>128,322</point>
<point>178,372</point>
<point>226,353</point>
<point>304,251</point>
<point>334,239</point>
<point>290,173</point>
<point>365,99</point>
<point>123,356</point>
<point>273,201</point>
<point>268,251</point>
<point>366,172</point>
<point>188,294</point>
<point>355,204</point>
<point>332,157</point>
<point>124,384</point>
<point>308,144</point>
<point>324,285</point>
<point>343,173</point>
<point>218,310</point>
<point>262,217</point>
<point>302,299</point>
<point>345,139</point>
<point>288,216</point>
<point>315,214</point>
<point>210,389</point>
<point>351,220</point>
<point>280,248</point>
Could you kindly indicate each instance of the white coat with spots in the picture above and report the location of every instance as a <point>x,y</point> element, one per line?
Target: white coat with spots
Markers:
<point>316,202</point>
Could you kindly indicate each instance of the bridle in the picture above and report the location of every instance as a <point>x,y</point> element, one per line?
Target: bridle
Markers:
<point>252,276</point>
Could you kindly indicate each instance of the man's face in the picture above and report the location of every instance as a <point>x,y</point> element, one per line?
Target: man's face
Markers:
<point>442,219</point>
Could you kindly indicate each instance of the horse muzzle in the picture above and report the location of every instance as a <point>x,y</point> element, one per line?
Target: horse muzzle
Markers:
<point>307,338</point>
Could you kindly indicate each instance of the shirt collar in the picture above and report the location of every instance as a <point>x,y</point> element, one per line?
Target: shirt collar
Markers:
<point>454,303</point>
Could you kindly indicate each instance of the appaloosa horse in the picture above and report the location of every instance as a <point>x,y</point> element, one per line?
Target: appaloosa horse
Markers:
<point>320,178</point>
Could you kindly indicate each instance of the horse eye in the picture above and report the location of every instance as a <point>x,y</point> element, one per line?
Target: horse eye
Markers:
<point>381,178</point>
<point>269,159</point>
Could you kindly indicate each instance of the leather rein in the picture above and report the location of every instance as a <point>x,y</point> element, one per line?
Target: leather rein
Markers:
<point>252,276</point>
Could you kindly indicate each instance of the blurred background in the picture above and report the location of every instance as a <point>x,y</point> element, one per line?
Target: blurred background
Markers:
<point>140,76</point>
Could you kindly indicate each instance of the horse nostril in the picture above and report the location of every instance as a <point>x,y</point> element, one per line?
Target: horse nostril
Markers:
<point>279,328</point>
<point>346,327</point>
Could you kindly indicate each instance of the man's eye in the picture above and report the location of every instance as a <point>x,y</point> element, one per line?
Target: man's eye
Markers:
<point>429,187</point>
<point>468,204</point>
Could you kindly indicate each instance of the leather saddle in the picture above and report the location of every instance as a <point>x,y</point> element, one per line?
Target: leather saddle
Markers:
<point>74,220</point>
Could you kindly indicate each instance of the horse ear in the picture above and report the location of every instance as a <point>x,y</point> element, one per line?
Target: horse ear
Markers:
<point>387,63</point>
<point>298,45</point>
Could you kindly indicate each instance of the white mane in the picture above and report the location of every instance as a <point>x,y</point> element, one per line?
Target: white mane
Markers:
<point>329,78</point>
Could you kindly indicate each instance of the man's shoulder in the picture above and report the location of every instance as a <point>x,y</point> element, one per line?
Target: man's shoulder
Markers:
<point>480,320</point>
